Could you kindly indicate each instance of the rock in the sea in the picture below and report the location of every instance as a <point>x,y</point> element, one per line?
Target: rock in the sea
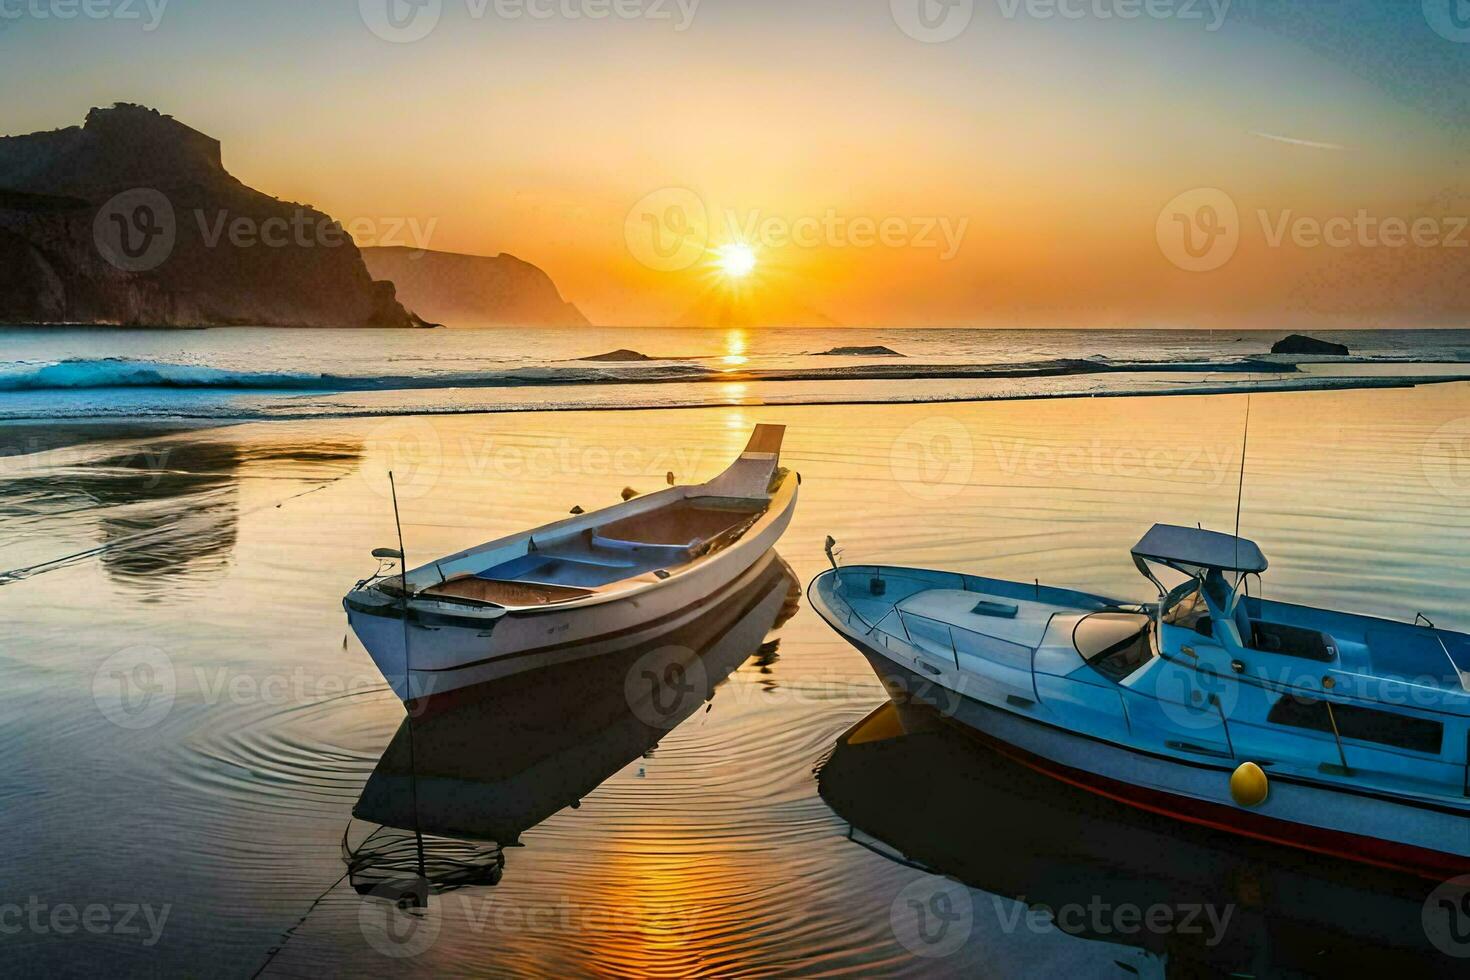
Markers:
<point>132,219</point>
<point>862,352</point>
<point>619,355</point>
<point>1299,344</point>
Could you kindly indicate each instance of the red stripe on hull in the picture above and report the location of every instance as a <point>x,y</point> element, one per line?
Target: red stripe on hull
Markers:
<point>1422,861</point>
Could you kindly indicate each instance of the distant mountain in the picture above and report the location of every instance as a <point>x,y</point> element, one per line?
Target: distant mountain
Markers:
<point>473,290</point>
<point>132,219</point>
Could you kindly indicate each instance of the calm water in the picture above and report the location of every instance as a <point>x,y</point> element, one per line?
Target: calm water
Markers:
<point>258,373</point>
<point>778,830</point>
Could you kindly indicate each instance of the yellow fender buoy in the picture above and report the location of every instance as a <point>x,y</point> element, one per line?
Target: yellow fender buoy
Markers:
<point>1249,785</point>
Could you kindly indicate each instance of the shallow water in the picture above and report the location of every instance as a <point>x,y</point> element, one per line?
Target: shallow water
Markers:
<point>220,785</point>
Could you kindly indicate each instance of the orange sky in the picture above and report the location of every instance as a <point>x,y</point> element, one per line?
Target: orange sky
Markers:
<point>1013,175</point>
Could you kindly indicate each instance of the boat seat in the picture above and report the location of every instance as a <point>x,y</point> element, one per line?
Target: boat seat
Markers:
<point>527,565</point>
<point>676,551</point>
<point>505,593</point>
<point>684,525</point>
<point>1292,641</point>
<point>1412,654</point>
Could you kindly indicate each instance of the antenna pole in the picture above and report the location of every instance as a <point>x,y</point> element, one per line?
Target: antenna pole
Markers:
<point>1240,490</point>
<point>413,771</point>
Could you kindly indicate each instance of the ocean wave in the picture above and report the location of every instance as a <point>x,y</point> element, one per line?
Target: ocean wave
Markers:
<point>122,373</point>
<point>113,372</point>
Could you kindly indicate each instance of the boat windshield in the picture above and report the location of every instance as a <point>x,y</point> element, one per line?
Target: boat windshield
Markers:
<point>1115,643</point>
<point>1184,606</point>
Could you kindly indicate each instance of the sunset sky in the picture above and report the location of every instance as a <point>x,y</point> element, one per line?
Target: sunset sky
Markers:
<point>1022,170</point>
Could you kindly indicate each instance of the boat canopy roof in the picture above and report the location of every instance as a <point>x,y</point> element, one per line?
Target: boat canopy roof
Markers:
<point>1199,548</point>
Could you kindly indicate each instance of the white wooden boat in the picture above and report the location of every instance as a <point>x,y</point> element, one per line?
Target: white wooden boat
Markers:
<point>576,588</point>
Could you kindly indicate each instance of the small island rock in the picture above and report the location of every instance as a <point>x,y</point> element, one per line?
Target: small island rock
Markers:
<point>1299,344</point>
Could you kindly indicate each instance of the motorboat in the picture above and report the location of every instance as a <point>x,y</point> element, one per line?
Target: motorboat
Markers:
<point>575,588</point>
<point>1025,843</point>
<point>1332,732</point>
<point>486,764</point>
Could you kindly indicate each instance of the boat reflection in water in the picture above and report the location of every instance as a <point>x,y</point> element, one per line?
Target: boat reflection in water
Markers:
<point>482,765</point>
<point>919,790</point>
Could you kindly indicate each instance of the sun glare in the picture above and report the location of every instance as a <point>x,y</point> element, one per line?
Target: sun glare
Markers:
<point>736,260</point>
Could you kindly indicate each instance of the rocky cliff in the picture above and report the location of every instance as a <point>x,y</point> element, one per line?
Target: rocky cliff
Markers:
<point>473,290</point>
<point>132,219</point>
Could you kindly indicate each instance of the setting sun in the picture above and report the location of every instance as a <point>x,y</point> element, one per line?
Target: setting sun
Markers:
<point>736,260</point>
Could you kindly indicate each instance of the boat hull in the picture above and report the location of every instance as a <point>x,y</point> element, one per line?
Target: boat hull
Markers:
<point>1408,836</point>
<point>437,654</point>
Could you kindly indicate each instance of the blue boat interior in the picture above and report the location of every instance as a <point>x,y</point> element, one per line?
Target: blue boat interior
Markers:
<point>1205,671</point>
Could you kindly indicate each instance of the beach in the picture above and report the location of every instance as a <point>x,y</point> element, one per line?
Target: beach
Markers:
<point>218,557</point>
